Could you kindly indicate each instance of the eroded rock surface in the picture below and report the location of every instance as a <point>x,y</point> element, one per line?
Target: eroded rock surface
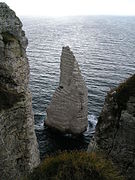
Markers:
<point>18,144</point>
<point>115,130</point>
<point>68,109</point>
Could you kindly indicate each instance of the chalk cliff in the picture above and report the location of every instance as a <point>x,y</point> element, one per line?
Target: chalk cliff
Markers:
<point>115,130</point>
<point>18,145</point>
<point>68,109</point>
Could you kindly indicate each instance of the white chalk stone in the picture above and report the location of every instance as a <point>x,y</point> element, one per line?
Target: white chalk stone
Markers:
<point>68,108</point>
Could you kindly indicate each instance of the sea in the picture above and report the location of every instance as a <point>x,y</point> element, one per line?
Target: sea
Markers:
<point>104,47</point>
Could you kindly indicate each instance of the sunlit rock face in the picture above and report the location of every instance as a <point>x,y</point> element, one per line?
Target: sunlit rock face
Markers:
<point>18,145</point>
<point>115,130</point>
<point>68,109</point>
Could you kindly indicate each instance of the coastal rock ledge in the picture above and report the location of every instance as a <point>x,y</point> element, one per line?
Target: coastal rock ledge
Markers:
<point>18,145</point>
<point>68,109</point>
<point>115,130</point>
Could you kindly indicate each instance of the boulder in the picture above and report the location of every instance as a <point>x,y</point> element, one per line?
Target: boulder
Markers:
<point>68,108</point>
<point>18,144</point>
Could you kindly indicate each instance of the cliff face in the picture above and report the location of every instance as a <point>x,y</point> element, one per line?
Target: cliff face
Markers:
<point>18,145</point>
<point>115,130</point>
<point>68,109</point>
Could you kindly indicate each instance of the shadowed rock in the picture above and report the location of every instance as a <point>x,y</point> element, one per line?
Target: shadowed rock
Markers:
<point>68,109</point>
<point>115,130</point>
<point>18,144</point>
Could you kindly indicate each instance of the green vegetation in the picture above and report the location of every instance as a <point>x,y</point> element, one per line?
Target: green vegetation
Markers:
<point>75,166</point>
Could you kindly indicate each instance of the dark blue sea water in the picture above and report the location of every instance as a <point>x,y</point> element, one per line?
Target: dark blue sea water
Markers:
<point>104,47</point>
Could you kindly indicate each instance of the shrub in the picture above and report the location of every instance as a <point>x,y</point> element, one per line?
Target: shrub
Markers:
<point>75,166</point>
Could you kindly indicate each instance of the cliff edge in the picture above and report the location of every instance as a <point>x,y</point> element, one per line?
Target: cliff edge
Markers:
<point>18,145</point>
<point>115,130</point>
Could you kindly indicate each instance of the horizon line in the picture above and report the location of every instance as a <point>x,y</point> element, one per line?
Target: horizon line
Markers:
<point>60,16</point>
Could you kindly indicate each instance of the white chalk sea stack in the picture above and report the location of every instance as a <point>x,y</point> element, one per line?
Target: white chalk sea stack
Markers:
<point>68,108</point>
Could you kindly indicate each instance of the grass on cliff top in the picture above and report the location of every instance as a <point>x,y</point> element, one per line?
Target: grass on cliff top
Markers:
<point>124,91</point>
<point>75,166</point>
